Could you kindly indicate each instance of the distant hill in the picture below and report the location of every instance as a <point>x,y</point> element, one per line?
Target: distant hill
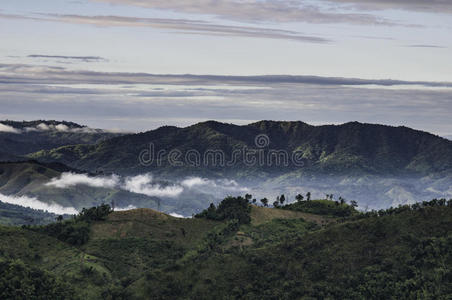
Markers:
<point>351,148</point>
<point>14,215</point>
<point>377,165</point>
<point>20,138</point>
<point>29,179</point>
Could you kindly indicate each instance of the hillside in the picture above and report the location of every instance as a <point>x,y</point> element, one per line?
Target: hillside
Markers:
<point>30,179</point>
<point>140,254</point>
<point>21,138</point>
<point>351,148</point>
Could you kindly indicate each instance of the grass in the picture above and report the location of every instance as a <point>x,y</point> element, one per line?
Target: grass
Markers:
<point>281,254</point>
<point>260,215</point>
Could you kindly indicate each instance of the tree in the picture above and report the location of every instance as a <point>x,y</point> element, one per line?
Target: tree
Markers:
<point>342,201</point>
<point>308,196</point>
<point>299,197</point>
<point>276,203</point>
<point>353,203</point>
<point>282,199</point>
<point>264,202</point>
<point>248,197</point>
<point>254,200</point>
<point>59,218</point>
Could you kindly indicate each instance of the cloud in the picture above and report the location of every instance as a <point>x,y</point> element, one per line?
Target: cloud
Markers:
<point>129,207</point>
<point>142,101</point>
<point>194,181</point>
<point>425,46</point>
<point>260,11</point>
<point>176,215</point>
<point>208,185</point>
<point>8,129</point>
<point>76,58</point>
<point>431,6</point>
<point>188,26</point>
<point>34,203</point>
<point>30,74</point>
<point>294,10</point>
<point>70,179</point>
<point>180,26</point>
<point>142,184</point>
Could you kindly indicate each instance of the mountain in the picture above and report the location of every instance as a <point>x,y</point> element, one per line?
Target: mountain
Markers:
<point>15,215</point>
<point>61,189</point>
<point>402,253</point>
<point>351,148</point>
<point>20,138</point>
<point>30,179</point>
<point>377,165</point>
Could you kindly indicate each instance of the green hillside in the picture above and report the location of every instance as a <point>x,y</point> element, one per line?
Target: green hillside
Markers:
<point>29,178</point>
<point>30,137</point>
<point>351,148</point>
<point>402,253</point>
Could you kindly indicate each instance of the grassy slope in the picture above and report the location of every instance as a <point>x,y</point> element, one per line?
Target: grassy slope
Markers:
<point>144,253</point>
<point>260,215</point>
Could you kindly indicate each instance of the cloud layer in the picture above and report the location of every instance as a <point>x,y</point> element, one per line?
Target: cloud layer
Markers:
<point>179,26</point>
<point>144,101</point>
<point>260,11</point>
<point>70,180</point>
<point>34,203</point>
<point>8,129</point>
<point>143,184</point>
<point>70,58</point>
<point>294,10</point>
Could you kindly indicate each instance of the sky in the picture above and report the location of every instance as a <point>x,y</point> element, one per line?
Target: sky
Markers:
<point>136,65</point>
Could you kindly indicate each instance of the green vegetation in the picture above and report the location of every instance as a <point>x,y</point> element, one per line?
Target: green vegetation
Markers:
<point>351,148</point>
<point>77,230</point>
<point>19,281</point>
<point>29,141</point>
<point>231,208</point>
<point>18,215</point>
<point>238,250</point>
<point>323,207</point>
<point>30,178</point>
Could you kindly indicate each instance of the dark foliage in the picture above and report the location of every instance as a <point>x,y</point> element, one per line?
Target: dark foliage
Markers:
<point>76,231</point>
<point>323,207</point>
<point>20,281</point>
<point>231,208</point>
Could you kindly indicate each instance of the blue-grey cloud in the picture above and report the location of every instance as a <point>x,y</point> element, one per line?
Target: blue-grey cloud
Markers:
<point>72,58</point>
<point>135,101</point>
<point>179,26</point>
<point>294,10</point>
<point>21,73</point>
<point>425,46</point>
<point>260,11</point>
<point>435,6</point>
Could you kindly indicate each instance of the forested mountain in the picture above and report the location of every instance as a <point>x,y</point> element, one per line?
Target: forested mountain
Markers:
<point>30,179</point>
<point>351,148</point>
<point>20,138</point>
<point>49,184</point>
<point>316,249</point>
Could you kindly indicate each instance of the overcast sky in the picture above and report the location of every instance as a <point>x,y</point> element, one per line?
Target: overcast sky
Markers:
<point>100,62</point>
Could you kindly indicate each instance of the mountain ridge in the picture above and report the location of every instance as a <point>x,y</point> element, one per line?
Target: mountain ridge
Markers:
<point>370,148</point>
